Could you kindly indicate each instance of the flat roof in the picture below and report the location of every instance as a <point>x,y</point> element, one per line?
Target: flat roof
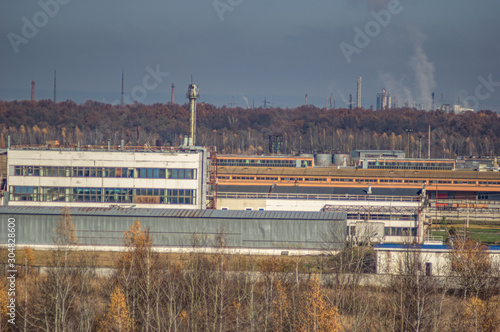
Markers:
<point>238,156</point>
<point>353,172</point>
<point>173,213</point>
<point>104,148</point>
<point>380,151</point>
<point>424,246</point>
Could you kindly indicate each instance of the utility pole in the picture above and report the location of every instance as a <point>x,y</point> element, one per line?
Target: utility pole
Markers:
<point>54,99</point>
<point>121,99</point>
<point>419,146</point>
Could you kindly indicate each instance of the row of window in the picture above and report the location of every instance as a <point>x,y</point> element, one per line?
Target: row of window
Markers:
<point>103,195</point>
<point>411,163</point>
<point>358,180</point>
<point>106,172</point>
<point>388,231</point>
<point>375,216</point>
<point>263,162</point>
<point>412,167</point>
<point>443,165</point>
<point>400,231</point>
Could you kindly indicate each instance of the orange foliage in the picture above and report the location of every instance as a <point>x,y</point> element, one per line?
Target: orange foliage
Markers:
<point>318,314</point>
<point>4,301</point>
<point>135,237</point>
<point>117,317</point>
<point>476,316</point>
<point>65,230</point>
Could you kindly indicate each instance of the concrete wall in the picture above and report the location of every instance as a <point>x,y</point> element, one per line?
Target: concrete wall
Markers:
<point>388,259</point>
<point>300,204</point>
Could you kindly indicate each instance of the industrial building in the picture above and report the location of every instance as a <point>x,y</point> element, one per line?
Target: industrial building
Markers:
<point>244,231</point>
<point>384,100</point>
<point>358,155</point>
<point>434,258</point>
<point>441,184</point>
<point>104,177</point>
<point>391,218</point>
<point>401,196</point>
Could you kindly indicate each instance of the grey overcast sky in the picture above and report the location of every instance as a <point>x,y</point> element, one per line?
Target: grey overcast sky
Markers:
<point>247,50</point>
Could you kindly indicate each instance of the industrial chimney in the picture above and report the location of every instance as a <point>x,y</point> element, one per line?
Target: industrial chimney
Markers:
<point>358,94</point>
<point>32,91</point>
<point>192,94</point>
<point>172,97</point>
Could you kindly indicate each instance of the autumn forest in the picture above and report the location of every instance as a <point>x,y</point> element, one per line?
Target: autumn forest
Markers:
<point>306,129</point>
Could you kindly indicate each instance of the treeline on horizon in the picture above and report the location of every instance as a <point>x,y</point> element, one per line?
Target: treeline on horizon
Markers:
<point>305,129</point>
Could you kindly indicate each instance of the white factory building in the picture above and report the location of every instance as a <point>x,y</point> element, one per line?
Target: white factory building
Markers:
<point>376,218</point>
<point>170,178</point>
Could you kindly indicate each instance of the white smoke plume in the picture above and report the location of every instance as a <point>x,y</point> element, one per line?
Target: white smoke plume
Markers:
<point>343,97</point>
<point>424,71</point>
<point>423,76</point>
<point>397,88</point>
<point>245,99</point>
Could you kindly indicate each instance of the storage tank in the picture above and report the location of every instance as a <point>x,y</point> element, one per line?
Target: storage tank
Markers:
<point>338,159</point>
<point>323,159</point>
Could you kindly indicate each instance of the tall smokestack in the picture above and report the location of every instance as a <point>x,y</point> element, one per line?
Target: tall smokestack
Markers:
<point>192,94</point>
<point>350,101</point>
<point>433,101</point>
<point>358,96</point>
<point>306,99</point>
<point>32,91</point>
<point>172,97</point>
<point>54,86</point>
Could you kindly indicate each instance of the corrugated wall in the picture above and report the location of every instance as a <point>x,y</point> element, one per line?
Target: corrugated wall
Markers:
<point>172,231</point>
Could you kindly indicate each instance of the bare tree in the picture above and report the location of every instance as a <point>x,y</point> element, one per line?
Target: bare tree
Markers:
<point>473,269</point>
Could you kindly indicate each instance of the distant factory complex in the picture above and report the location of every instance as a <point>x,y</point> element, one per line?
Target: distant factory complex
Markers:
<point>269,202</point>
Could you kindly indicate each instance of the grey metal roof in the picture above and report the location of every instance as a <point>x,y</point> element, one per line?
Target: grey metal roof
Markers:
<point>174,213</point>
